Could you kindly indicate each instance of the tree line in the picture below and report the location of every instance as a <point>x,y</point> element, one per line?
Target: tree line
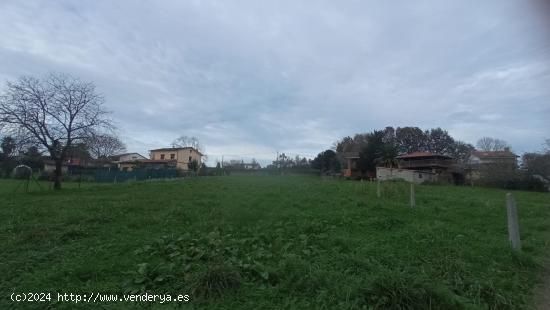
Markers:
<point>381,147</point>
<point>13,153</point>
<point>63,117</point>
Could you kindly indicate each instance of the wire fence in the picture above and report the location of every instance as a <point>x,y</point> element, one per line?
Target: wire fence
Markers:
<point>115,176</point>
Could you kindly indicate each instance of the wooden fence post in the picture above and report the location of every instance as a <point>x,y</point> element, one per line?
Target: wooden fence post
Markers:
<point>413,202</point>
<point>378,188</point>
<point>513,224</point>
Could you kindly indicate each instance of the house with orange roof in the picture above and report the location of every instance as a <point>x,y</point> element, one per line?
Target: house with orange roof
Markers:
<point>180,158</point>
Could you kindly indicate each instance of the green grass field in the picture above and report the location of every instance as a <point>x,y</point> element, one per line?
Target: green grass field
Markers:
<point>286,242</point>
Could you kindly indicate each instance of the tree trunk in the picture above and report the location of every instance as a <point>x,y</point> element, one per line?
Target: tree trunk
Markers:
<point>57,174</point>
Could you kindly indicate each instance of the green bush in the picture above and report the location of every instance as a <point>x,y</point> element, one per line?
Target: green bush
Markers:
<point>518,181</point>
<point>215,281</point>
<point>401,290</point>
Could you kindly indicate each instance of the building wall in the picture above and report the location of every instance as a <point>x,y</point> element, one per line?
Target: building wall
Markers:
<point>130,157</point>
<point>182,156</point>
<point>51,168</point>
<point>126,166</point>
<point>475,160</point>
<point>383,174</point>
<point>490,167</point>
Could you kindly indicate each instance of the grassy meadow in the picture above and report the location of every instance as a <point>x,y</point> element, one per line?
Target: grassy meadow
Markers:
<point>273,242</point>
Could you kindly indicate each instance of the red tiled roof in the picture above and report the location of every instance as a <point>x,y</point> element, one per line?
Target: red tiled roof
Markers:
<point>421,154</point>
<point>494,154</point>
<point>150,161</point>
<point>169,149</point>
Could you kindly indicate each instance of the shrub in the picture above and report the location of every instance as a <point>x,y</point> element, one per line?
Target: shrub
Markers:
<point>215,281</point>
<point>400,290</point>
<point>517,181</point>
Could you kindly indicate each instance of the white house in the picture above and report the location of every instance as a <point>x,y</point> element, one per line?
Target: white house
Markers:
<point>127,157</point>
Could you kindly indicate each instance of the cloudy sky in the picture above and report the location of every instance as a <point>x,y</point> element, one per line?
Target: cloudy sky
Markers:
<point>251,78</point>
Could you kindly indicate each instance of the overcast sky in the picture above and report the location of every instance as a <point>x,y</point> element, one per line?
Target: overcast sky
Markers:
<point>250,78</point>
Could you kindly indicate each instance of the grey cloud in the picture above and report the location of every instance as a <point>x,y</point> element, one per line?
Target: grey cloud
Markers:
<point>252,77</point>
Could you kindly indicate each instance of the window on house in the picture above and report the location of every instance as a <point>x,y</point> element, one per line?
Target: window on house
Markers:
<point>190,158</point>
<point>172,156</point>
<point>161,156</point>
<point>420,175</point>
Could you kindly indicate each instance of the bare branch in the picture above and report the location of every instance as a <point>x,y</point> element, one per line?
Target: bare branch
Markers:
<point>489,144</point>
<point>56,111</point>
<point>104,145</point>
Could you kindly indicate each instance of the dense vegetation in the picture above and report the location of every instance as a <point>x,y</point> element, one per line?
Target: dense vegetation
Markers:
<point>274,242</point>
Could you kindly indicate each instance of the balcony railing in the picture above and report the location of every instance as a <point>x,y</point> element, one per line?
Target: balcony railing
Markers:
<point>426,163</point>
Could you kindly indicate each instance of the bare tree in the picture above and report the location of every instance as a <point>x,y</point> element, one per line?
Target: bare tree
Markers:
<point>461,151</point>
<point>536,164</point>
<point>56,112</point>
<point>547,146</point>
<point>104,145</point>
<point>185,141</point>
<point>489,144</point>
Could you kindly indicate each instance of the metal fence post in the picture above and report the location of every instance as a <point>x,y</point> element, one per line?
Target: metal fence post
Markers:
<point>413,202</point>
<point>513,224</point>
